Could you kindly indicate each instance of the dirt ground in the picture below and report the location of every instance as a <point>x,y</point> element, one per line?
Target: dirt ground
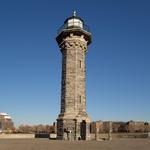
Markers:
<point>45,144</point>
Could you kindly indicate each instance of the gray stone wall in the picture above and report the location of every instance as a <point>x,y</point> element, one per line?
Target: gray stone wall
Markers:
<point>73,98</point>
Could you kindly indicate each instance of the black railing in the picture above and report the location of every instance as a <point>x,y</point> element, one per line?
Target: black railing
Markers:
<point>73,25</point>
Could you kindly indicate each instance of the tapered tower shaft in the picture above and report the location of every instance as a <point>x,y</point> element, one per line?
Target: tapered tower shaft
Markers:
<point>73,97</point>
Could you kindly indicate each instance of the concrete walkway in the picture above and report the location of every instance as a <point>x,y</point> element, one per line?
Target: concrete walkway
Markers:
<point>45,144</point>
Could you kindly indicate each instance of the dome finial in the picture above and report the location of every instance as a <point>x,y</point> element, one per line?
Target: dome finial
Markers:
<point>74,13</point>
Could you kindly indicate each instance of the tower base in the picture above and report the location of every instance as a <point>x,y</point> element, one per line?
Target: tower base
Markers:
<point>75,128</point>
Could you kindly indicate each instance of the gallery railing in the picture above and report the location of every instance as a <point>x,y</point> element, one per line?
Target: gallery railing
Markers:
<point>74,25</point>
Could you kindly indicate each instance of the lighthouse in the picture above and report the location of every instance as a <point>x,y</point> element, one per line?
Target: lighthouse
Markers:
<point>73,38</point>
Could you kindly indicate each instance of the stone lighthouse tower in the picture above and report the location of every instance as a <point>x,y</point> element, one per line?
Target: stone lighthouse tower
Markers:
<point>73,38</point>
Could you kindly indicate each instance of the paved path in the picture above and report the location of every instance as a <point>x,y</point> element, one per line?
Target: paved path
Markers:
<point>45,144</point>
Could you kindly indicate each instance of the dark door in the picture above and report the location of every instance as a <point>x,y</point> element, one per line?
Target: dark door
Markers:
<point>83,130</point>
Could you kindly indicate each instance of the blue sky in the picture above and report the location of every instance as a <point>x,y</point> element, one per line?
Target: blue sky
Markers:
<point>118,60</point>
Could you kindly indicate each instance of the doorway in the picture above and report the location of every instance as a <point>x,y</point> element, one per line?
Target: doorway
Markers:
<point>83,130</point>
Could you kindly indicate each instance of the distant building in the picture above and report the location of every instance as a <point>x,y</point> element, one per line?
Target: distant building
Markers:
<point>138,126</point>
<point>6,122</point>
<point>119,127</point>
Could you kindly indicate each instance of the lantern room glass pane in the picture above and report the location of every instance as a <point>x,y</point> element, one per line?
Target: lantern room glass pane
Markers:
<point>75,22</point>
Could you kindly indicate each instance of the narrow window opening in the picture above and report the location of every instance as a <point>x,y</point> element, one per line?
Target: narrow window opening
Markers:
<point>80,64</point>
<point>80,98</point>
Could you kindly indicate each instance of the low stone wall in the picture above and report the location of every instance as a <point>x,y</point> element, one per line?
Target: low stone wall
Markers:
<point>17,136</point>
<point>101,136</point>
<point>130,135</point>
<point>148,134</point>
<point>104,136</point>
